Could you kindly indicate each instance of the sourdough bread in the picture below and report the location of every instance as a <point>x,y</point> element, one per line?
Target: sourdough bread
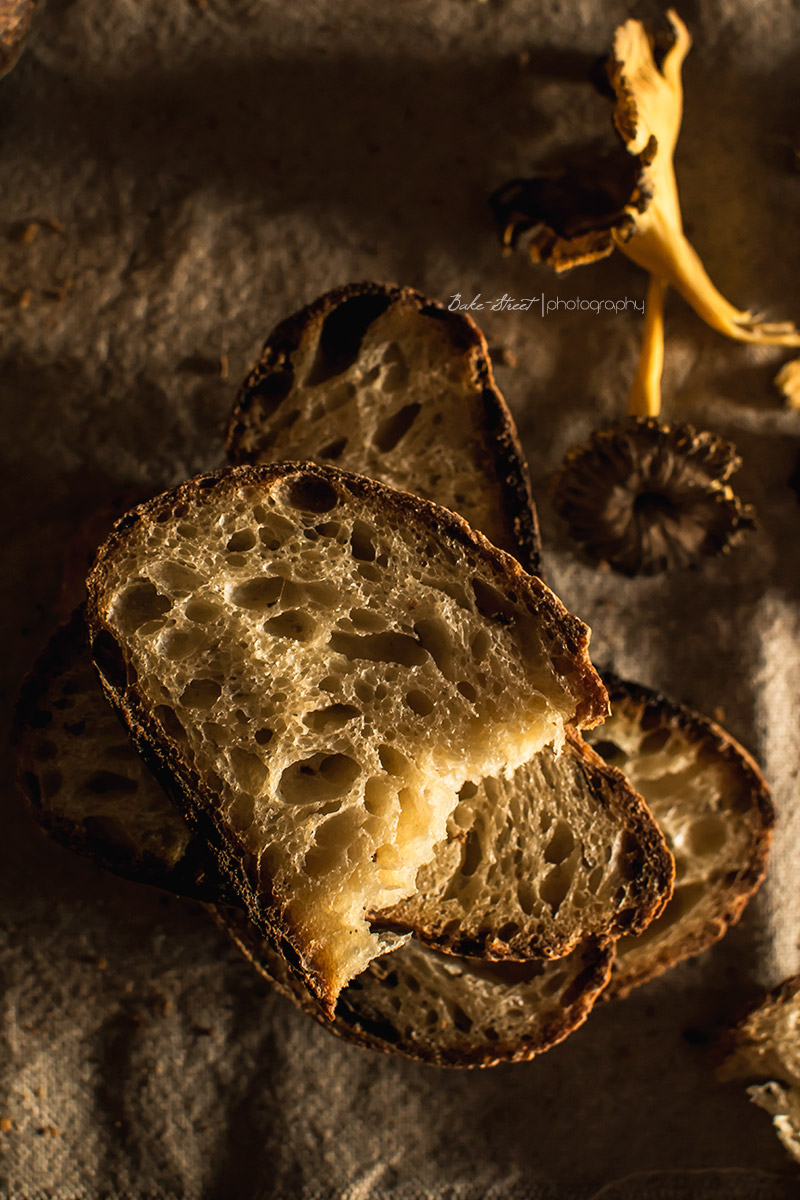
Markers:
<point>516,875</point>
<point>446,1010</point>
<point>87,786</point>
<point>383,381</point>
<point>538,860</point>
<point>713,806</point>
<point>91,791</point>
<point>315,664</point>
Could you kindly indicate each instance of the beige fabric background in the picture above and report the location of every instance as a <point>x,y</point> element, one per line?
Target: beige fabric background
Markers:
<point>211,166</point>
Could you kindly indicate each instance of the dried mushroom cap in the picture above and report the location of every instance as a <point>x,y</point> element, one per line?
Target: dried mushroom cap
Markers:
<point>576,212</point>
<point>642,211</point>
<point>646,497</point>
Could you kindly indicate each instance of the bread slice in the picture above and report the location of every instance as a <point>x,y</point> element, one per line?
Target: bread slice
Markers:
<point>88,787</point>
<point>383,381</point>
<point>713,805</point>
<point>766,1044</point>
<point>538,860</point>
<point>316,664</point>
<point>91,791</point>
<point>445,1010</point>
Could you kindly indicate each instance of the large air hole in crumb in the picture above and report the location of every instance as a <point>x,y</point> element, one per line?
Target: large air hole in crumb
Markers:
<point>379,796</point>
<point>169,721</point>
<point>332,717</point>
<point>395,378</point>
<point>342,333</point>
<point>274,529</point>
<point>561,843</point>
<point>241,811</point>
<point>480,645</point>
<point>366,619</point>
<point>294,624</point>
<point>370,572</point>
<point>250,772</point>
<point>333,838</point>
<point>492,604</point>
<point>554,887</point>
<point>434,635</point>
<point>201,612</point>
<point>139,603</point>
<point>362,541</point>
<point>263,736</point>
<point>201,693</point>
<point>419,702</point>
<point>467,691</point>
<point>241,541</point>
<point>255,595</point>
<point>472,853</point>
<point>379,647</point>
<point>177,577</point>
<point>309,493</point>
<point>317,779</point>
<point>595,879</point>
<point>177,644</point>
<point>508,931</point>
<point>393,429</point>
<point>392,760</point>
<point>555,983</point>
<point>460,1019</point>
<point>330,529</point>
<point>526,896</point>
<point>267,394</point>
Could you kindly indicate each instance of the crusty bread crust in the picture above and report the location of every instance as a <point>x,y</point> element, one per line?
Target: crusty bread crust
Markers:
<point>505,464</point>
<point>729,895</point>
<point>192,794</point>
<point>356,1024</point>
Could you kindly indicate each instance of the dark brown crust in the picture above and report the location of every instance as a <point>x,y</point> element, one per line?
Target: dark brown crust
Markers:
<point>504,453</point>
<point>651,866</point>
<point>353,1026</point>
<point>195,875</point>
<point>191,795</point>
<point>734,893</point>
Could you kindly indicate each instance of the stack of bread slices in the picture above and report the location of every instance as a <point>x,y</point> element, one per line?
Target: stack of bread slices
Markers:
<point>357,724</point>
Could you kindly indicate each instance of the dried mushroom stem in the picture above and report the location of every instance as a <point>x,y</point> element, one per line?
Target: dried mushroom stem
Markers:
<point>665,251</point>
<point>645,397</point>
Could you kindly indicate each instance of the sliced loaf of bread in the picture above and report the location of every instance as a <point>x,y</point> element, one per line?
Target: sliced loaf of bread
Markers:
<point>712,804</point>
<point>562,849</point>
<point>315,664</point>
<point>385,382</point>
<point>90,789</point>
<point>461,893</point>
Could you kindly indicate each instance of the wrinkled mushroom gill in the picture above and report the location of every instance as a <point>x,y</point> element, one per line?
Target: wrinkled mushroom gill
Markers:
<point>646,497</point>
